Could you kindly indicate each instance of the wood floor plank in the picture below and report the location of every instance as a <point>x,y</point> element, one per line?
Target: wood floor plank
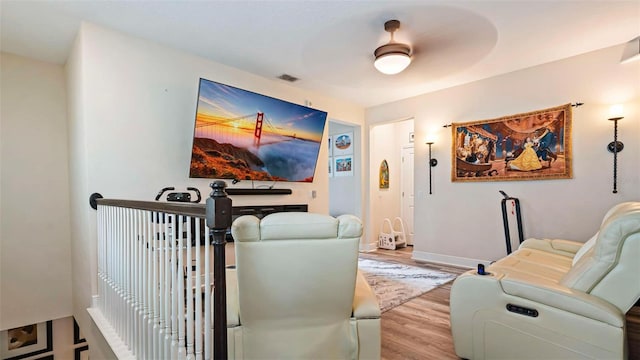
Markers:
<point>421,328</point>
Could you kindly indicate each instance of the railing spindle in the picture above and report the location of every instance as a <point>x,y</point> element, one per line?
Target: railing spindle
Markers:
<point>198,294</point>
<point>190,291</point>
<point>181,290</point>
<point>174,286</point>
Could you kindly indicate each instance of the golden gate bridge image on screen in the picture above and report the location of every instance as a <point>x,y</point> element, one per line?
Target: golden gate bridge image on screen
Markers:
<point>235,130</point>
<point>250,147</point>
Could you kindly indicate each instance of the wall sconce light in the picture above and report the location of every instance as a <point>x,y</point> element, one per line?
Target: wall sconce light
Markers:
<point>432,162</point>
<point>615,146</point>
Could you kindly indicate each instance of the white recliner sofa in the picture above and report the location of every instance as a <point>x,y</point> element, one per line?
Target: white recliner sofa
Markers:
<point>553,299</point>
<point>296,292</point>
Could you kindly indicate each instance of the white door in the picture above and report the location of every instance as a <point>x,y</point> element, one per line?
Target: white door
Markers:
<point>406,192</point>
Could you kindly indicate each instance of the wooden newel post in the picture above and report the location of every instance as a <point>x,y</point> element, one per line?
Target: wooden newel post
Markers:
<point>219,220</point>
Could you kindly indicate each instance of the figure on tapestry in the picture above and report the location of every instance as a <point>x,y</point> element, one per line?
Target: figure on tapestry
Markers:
<point>527,160</point>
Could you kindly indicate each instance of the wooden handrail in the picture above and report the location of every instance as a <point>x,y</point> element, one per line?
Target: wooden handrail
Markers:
<point>188,209</point>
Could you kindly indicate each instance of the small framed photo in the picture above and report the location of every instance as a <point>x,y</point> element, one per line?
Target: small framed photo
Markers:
<point>330,166</point>
<point>343,165</point>
<point>384,174</point>
<point>342,144</point>
<point>330,143</point>
<point>26,341</point>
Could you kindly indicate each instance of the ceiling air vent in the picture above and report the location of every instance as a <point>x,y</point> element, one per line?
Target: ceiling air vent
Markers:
<point>287,77</point>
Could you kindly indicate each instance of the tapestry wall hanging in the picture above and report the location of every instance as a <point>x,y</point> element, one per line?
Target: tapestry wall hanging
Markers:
<point>529,146</point>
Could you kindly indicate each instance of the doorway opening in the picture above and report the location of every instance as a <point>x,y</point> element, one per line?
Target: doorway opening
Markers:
<point>391,142</point>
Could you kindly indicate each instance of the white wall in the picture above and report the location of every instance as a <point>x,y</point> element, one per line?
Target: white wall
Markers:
<point>83,253</point>
<point>461,222</point>
<point>35,268</point>
<point>385,143</point>
<point>142,109</point>
<point>132,108</point>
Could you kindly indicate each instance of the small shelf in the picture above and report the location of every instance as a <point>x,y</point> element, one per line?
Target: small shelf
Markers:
<point>237,191</point>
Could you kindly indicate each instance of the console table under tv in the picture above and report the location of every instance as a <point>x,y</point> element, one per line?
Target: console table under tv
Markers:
<point>259,191</point>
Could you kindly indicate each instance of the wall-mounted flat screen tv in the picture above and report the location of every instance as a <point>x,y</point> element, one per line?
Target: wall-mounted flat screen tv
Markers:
<point>243,135</point>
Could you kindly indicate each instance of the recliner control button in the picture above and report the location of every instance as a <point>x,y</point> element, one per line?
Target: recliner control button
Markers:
<point>522,310</point>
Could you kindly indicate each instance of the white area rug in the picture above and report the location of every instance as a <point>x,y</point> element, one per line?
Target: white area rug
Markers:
<point>395,284</point>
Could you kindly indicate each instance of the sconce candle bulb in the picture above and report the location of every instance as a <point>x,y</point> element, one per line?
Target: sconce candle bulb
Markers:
<point>616,112</point>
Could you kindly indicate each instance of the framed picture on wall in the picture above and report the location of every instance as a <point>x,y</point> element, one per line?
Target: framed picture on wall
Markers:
<point>343,165</point>
<point>343,144</point>
<point>528,146</point>
<point>26,341</point>
<point>330,166</point>
<point>330,144</point>
<point>384,175</point>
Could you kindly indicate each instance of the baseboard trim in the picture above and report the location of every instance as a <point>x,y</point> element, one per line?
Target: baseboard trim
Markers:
<point>368,247</point>
<point>118,347</point>
<point>448,259</point>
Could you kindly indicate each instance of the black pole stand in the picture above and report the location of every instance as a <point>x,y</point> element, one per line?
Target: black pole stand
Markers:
<point>218,216</point>
<point>505,221</point>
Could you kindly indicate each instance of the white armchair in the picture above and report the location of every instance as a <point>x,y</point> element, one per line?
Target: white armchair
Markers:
<point>553,299</point>
<point>296,293</point>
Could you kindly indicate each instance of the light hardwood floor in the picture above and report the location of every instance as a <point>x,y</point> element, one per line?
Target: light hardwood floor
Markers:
<point>419,328</point>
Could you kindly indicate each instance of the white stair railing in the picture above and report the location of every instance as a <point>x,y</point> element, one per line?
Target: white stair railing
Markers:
<point>155,265</point>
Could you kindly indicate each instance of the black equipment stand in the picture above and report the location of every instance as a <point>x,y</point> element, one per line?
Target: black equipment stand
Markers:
<point>505,220</point>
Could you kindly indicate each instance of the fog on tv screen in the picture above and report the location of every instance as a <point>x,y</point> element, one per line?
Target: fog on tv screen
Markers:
<point>247,136</point>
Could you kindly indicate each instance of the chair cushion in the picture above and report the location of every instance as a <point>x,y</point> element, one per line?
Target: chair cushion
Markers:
<point>350,227</point>
<point>606,265</point>
<point>588,245</point>
<point>583,250</point>
<point>298,225</point>
<point>297,292</point>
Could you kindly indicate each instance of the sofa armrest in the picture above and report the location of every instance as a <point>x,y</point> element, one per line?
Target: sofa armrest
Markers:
<point>566,299</point>
<point>555,246</point>
<point>365,303</point>
<point>233,303</point>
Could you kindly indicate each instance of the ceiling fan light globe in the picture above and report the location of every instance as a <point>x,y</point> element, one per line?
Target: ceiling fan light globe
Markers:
<point>392,63</point>
<point>392,58</point>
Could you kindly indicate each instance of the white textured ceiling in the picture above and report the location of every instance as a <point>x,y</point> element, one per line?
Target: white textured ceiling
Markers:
<point>329,44</point>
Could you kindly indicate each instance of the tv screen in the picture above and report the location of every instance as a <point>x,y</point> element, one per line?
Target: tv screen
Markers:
<point>243,135</point>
